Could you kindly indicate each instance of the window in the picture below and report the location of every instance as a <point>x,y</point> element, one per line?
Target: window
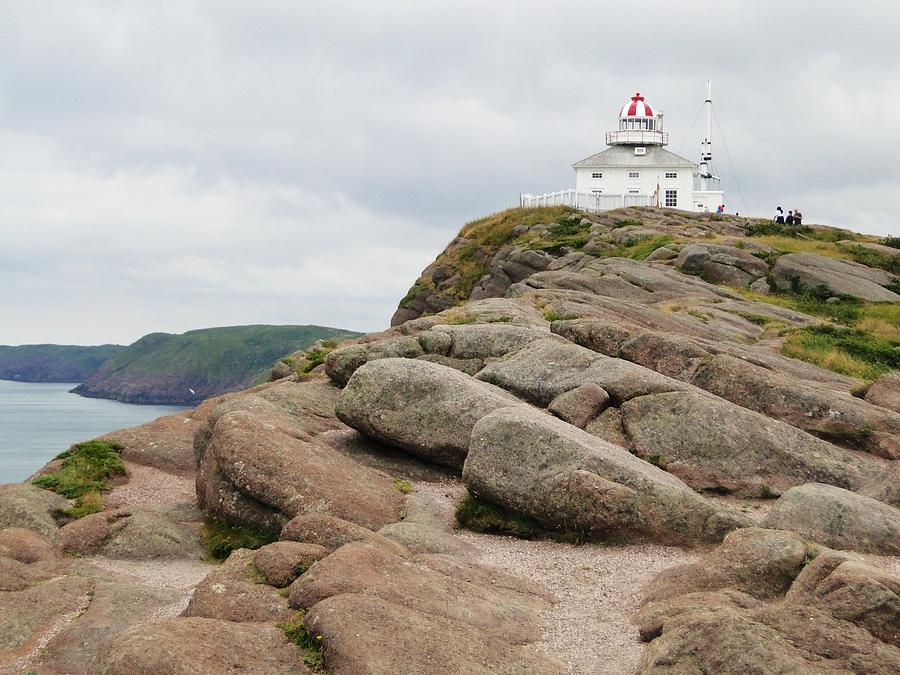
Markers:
<point>634,174</point>
<point>671,174</point>
<point>596,174</point>
<point>671,197</point>
<point>597,192</point>
<point>634,191</point>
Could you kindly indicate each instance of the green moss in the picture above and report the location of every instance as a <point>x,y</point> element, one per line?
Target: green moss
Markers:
<point>220,538</point>
<point>86,467</point>
<point>482,516</point>
<point>417,288</point>
<point>310,645</point>
<point>403,486</point>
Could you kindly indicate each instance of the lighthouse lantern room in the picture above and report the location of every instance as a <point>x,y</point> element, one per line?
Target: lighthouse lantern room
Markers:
<point>637,170</point>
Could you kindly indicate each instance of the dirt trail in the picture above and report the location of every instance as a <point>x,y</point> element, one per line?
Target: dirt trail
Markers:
<point>597,587</point>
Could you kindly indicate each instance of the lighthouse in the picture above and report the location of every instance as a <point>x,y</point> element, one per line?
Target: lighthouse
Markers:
<point>637,169</point>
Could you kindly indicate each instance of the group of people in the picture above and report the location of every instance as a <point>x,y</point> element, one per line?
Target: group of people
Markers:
<point>792,218</point>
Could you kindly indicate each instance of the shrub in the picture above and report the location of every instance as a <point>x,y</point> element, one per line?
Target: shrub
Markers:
<point>220,538</point>
<point>316,356</point>
<point>778,229</point>
<point>893,242</point>
<point>86,467</point>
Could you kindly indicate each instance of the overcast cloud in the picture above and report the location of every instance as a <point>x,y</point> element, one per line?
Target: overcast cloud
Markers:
<point>177,165</point>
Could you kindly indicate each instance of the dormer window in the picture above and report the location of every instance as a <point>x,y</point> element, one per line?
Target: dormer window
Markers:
<point>596,174</point>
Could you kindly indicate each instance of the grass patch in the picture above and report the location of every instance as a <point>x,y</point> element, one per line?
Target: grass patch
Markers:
<point>86,467</point>
<point>848,351</point>
<point>765,492</point>
<point>220,539</point>
<point>481,516</point>
<point>627,222</point>
<point>458,318</point>
<point>758,319</point>
<point>403,486</point>
<point>872,258</point>
<point>417,288</point>
<point>85,505</point>
<point>857,438</point>
<point>316,356</point>
<point>497,229</point>
<point>893,242</point>
<point>639,250</point>
<point>313,653</point>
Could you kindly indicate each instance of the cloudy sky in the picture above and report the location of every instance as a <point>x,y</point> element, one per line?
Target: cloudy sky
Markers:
<point>177,165</point>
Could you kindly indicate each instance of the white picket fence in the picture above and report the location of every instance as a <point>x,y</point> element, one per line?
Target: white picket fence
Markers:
<point>584,201</point>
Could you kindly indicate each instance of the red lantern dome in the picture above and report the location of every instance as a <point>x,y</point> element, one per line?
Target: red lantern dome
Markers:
<point>636,107</point>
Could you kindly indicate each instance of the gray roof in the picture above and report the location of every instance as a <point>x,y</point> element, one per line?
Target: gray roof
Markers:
<point>623,155</point>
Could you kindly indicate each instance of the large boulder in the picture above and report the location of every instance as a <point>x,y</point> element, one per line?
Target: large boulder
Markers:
<point>291,473</point>
<point>721,264</point>
<point>508,614</point>
<point>232,592</point>
<point>283,561</point>
<point>166,443</point>
<point>569,480</point>
<point>885,391</point>
<point>424,408</point>
<point>853,591</point>
<point>816,409</point>
<point>715,445</point>
<point>30,507</point>
<point>544,369</point>
<point>331,533</point>
<point>354,625</point>
<point>761,563</point>
<point>837,518</point>
<point>132,534</point>
<point>196,646</point>
<point>839,277</point>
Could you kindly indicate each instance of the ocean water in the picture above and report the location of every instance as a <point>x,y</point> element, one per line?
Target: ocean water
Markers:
<point>38,421</point>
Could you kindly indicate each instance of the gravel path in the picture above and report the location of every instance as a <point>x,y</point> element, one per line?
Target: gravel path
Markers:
<point>147,486</point>
<point>598,588</point>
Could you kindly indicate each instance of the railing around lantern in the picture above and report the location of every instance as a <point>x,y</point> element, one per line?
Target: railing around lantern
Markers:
<point>637,137</point>
<point>584,201</point>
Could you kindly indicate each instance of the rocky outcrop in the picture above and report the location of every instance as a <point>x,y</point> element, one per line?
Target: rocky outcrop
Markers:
<point>283,561</point>
<point>261,463</point>
<point>165,443</point>
<point>885,392</point>
<point>30,507</point>
<point>353,626</point>
<point>714,445</point>
<point>424,408</point>
<point>721,264</point>
<point>568,480</point>
<point>768,601</point>
<point>837,518</point>
<point>195,645</point>
<point>838,277</point>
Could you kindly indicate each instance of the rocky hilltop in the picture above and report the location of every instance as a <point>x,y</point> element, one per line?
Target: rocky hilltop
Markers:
<point>645,441</point>
<point>185,369</point>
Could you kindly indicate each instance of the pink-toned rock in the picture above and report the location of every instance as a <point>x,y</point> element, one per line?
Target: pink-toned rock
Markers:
<point>580,405</point>
<point>283,561</point>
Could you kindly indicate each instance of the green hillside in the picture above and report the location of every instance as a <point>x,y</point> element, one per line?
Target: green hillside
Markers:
<point>52,363</point>
<point>163,368</point>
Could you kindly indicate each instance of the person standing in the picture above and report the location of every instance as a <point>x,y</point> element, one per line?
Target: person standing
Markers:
<point>798,217</point>
<point>790,218</point>
<point>779,216</point>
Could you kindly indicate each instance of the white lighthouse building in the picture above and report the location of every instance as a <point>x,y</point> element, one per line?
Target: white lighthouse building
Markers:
<point>637,170</point>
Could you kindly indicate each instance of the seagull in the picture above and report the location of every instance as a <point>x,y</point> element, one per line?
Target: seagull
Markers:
<point>193,393</point>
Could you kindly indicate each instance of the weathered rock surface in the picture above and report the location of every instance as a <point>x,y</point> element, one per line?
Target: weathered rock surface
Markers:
<point>714,445</point>
<point>283,561</point>
<point>840,277</point>
<point>837,518</point>
<point>569,480</point>
<point>199,646</point>
<point>30,507</point>
<point>165,443</point>
<point>885,392</point>
<point>761,563</point>
<point>354,626</point>
<point>134,534</point>
<point>230,593</point>
<point>580,405</point>
<point>426,409</point>
<point>363,568</point>
<point>729,612</point>
<point>721,264</point>
<point>331,533</point>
